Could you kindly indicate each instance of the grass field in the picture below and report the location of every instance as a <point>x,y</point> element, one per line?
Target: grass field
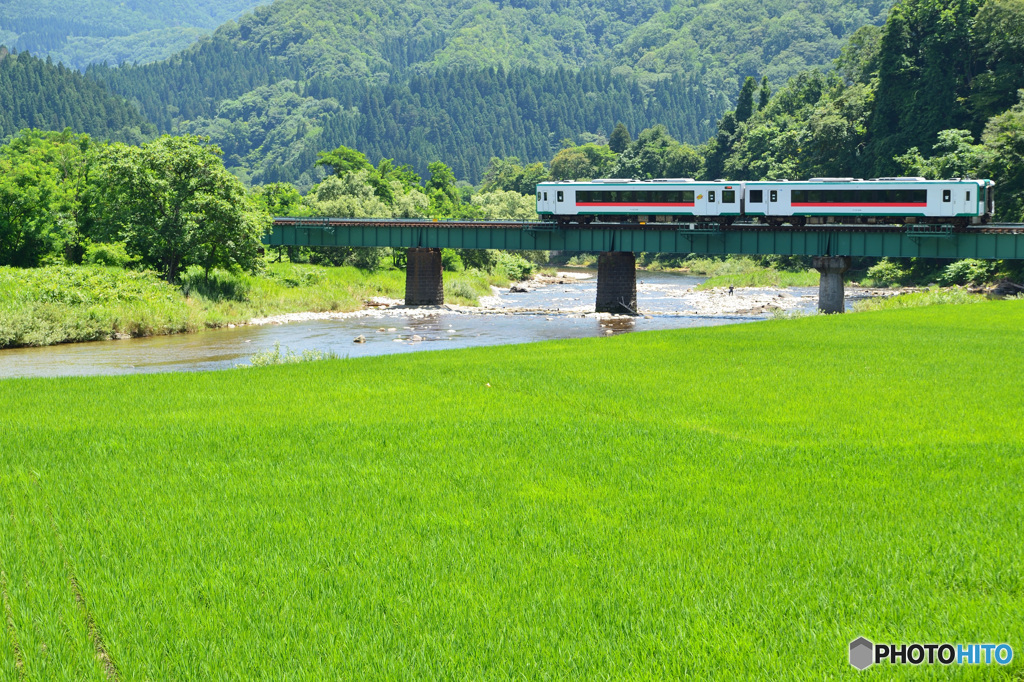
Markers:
<point>732,502</point>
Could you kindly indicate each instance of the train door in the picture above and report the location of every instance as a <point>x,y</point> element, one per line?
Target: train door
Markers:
<point>948,201</point>
<point>965,200</point>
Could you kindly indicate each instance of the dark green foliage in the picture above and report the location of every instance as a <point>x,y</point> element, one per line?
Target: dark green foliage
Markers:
<point>82,32</point>
<point>36,93</point>
<point>655,154</point>
<point>463,82</point>
<point>925,64</point>
<point>745,103</point>
<point>620,138</point>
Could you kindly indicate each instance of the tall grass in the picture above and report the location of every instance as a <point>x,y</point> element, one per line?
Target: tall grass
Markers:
<point>51,305</point>
<point>720,503</point>
<point>917,299</point>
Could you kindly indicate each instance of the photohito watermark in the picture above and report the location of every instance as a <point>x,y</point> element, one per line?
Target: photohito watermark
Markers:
<point>864,653</point>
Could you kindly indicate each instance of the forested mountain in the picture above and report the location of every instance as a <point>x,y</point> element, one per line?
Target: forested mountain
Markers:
<point>463,79</point>
<point>39,94</point>
<point>82,32</point>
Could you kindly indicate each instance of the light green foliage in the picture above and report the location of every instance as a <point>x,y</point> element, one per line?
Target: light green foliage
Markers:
<point>656,154</point>
<point>510,175</point>
<point>44,306</point>
<point>43,183</point>
<point>585,162</point>
<point>281,199</point>
<point>502,205</point>
<point>887,273</point>
<point>265,358</point>
<point>349,195</point>
<point>451,261</point>
<point>478,514</point>
<point>967,271</point>
<point>954,156</point>
<point>173,203</point>
<point>919,299</point>
<point>114,254</point>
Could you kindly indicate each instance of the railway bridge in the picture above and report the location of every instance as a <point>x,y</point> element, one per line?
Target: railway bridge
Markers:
<point>831,246</point>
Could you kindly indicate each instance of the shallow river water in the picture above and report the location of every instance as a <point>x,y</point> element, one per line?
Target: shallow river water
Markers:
<point>556,311</point>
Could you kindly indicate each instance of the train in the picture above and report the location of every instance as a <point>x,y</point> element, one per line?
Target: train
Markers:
<point>818,201</point>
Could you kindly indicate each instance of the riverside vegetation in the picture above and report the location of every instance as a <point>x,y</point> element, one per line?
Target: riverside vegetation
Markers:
<point>44,306</point>
<point>419,516</point>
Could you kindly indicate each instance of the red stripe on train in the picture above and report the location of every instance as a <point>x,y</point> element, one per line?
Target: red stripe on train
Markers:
<point>803,204</point>
<point>630,204</point>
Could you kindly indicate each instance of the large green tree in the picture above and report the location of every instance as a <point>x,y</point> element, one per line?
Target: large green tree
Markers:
<point>44,178</point>
<point>174,204</point>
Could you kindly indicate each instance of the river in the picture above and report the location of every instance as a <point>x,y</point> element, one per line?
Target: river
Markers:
<point>557,311</point>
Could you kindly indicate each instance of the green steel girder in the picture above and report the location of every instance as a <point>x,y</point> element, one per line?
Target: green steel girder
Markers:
<point>877,243</point>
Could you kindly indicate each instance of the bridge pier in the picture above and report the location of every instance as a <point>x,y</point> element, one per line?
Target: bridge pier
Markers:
<point>424,283</point>
<point>831,294</point>
<point>616,283</point>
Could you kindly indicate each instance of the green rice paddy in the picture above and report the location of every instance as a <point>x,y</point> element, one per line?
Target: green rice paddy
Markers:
<point>726,503</point>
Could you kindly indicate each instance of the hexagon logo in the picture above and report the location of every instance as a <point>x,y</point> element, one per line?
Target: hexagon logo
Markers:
<point>862,653</point>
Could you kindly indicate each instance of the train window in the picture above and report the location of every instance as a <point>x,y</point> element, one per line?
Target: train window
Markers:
<point>773,195</point>
<point>560,196</point>
<point>688,196</point>
<point>545,196</point>
<point>711,196</point>
<point>968,195</point>
<point>756,196</point>
<point>728,196</point>
<point>946,195</point>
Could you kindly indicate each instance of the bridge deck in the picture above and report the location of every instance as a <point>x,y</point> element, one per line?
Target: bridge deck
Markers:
<point>1003,241</point>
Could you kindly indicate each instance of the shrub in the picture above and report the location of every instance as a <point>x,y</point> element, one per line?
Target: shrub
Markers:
<point>108,253</point>
<point>459,289</point>
<point>514,266</point>
<point>451,261</point>
<point>967,271</point>
<point>217,285</point>
<point>887,273</point>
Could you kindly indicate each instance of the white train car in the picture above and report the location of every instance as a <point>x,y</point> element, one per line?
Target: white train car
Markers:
<point>884,200</point>
<point>616,200</point>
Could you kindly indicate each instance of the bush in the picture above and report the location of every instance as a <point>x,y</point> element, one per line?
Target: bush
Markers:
<point>451,261</point>
<point>108,253</point>
<point>968,271</point>
<point>514,266</point>
<point>459,289</point>
<point>887,273</point>
<point>218,285</point>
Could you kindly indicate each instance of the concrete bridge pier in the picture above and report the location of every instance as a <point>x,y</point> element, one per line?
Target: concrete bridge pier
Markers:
<point>831,294</point>
<point>616,283</point>
<point>424,283</point>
